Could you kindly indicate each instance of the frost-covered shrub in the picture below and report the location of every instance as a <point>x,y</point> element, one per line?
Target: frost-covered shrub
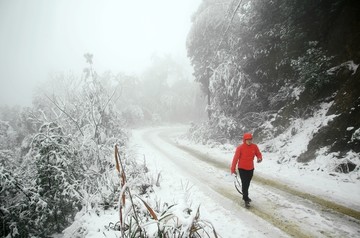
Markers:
<point>201,133</point>
<point>67,164</point>
<point>312,68</point>
<point>56,180</point>
<point>176,221</point>
<point>8,194</point>
<point>7,136</point>
<point>133,115</point>
<point>225,127</point>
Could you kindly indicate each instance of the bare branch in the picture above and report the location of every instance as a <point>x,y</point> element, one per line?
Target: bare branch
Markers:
<point>70,117</point>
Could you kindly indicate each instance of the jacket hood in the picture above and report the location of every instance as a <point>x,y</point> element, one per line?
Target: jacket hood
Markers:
<point>247,136</point>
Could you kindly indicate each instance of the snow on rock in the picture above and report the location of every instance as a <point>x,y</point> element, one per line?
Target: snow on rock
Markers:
<point>294,141</point>
<point>350,65</point>
<point>356,135</point>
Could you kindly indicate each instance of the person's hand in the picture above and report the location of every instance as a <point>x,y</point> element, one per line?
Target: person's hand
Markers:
<point>259,160</point>
<point>234,175</point>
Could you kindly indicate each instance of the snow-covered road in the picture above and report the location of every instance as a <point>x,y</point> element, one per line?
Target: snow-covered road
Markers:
<point>277,209</point>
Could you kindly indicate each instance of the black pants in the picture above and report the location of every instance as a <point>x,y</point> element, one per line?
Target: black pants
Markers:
<point>245,176</point>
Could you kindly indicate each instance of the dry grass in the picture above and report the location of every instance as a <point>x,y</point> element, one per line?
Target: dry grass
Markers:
<point>138,219</point>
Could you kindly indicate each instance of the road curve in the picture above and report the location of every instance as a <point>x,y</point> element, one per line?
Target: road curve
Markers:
<point>296,213</point>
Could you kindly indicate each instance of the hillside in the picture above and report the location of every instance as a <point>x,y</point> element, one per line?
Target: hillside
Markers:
<point>264,65</point>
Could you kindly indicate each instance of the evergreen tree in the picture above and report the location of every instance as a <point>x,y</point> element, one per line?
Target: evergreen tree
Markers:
<point>57,176</point>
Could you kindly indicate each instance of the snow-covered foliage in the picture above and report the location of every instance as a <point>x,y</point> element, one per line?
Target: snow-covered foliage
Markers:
<point>312,67</point>
<point>139,211</point>
<point>40,195</point>
<point>162,93</point>
<point>264,70</point>
<point>67,164</point>
<point>7,135</point>
<point>56,171</point>
<point>133,115</point>
<point>58,155</point>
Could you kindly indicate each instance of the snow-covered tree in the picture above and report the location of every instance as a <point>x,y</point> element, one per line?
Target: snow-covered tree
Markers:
<point>56,176</point>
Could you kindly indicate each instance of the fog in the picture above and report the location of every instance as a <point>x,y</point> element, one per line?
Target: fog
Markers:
<point>40,37</point>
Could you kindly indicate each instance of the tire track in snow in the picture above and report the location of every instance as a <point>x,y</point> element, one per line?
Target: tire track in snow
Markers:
<point>313,203</point>
<point>326,204</point>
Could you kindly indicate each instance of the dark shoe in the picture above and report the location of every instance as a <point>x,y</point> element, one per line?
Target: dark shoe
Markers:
<point>249,200</point>
<point>247,203</point>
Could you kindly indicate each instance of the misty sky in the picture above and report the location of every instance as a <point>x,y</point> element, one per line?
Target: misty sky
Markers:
<point>38,37</point>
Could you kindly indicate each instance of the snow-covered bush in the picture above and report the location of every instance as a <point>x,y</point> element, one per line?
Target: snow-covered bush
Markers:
<point>68,163</point>
<point>40,196</point>
<point>56,179</point>
<point>7,136</point>
<point>312,68</point>
<point>11,202</point>
<point>133,115</point>
<point>201,133</point>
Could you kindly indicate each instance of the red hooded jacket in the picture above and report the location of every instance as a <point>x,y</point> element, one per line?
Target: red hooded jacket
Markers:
<point>245,154</point>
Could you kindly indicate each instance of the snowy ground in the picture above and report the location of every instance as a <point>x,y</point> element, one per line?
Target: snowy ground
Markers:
<point>288,199</point>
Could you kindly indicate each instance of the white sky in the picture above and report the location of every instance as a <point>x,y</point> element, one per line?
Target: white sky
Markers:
<point>40,36</point>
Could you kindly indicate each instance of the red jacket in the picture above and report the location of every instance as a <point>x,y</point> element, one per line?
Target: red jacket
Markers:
<point>244,157</point>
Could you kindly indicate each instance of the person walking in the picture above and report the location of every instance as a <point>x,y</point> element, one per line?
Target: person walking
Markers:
<point>244,159</point>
